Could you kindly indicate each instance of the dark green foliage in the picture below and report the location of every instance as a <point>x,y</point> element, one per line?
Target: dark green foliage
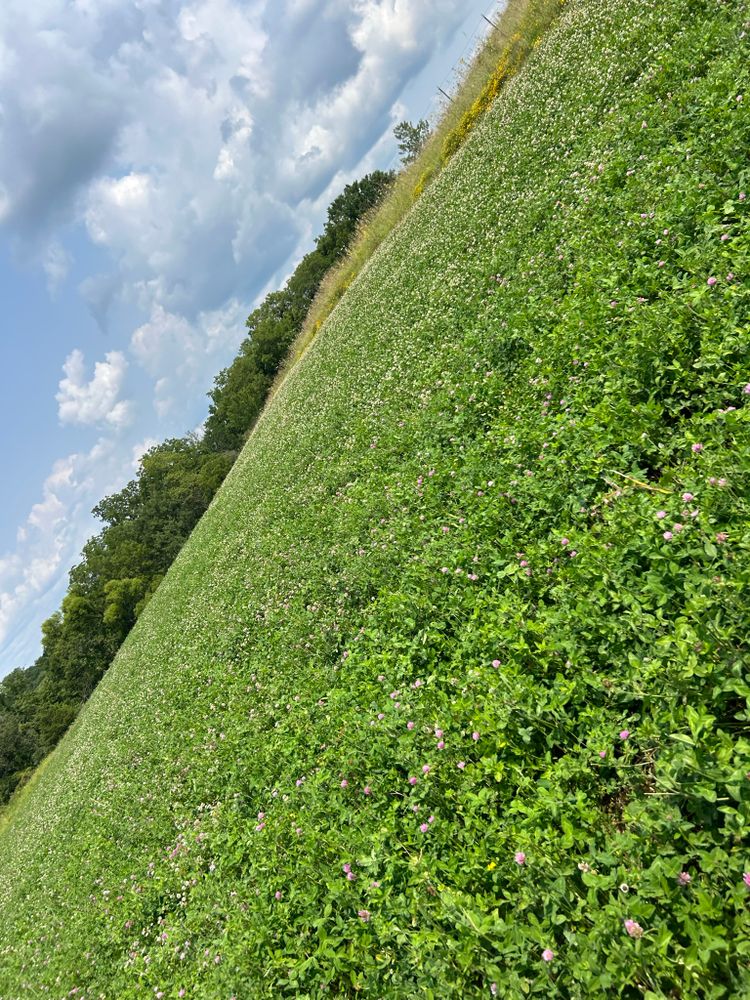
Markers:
<point>237,399</point>
<point>14,749</point>
<point>345,212</point>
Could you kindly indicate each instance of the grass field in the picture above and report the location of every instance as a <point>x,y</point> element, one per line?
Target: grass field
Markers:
<point>447,695</point>
<point>506,48</point>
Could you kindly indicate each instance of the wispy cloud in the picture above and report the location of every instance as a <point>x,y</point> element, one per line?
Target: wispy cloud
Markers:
<point>49,541</point>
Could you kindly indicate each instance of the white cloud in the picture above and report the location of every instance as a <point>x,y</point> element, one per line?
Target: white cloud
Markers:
<point>62,475</point>
<point>46,515</point>
<point>116,209</point>
<point>178,353</point>
<point>5,204</point>
<point>163,400</point>
<point>199,137</point>
<point>51,536</point>
<point>93,401</point>
<point>33,578</point>
<point>122,413</point>
<point>165,338</point>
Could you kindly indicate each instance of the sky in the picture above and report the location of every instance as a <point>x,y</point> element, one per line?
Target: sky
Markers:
<point>163,165</point>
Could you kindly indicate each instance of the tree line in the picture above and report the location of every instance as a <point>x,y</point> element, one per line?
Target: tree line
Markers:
<point>147,522</point>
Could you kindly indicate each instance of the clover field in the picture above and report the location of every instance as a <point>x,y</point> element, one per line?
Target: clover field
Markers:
<point>447,694</point>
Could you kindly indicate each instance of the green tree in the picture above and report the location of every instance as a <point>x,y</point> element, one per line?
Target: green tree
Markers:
<point>121,598</point>
<point>15,746</point>
<point>346,211</point>
<point>411,138</point>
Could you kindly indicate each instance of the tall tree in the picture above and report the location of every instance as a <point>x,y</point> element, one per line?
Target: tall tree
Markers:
<point>411,138</point>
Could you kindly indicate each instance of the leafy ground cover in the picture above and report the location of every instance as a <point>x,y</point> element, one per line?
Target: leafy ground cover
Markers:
<point>447,695</point>
<point>517,30</point>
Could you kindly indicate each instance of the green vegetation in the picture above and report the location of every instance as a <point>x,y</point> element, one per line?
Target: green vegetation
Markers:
<point>146,523</point>
<point>411,139</point>
<point>240,391</point>
<point>447,694</point>
<point>531,19</point>
<point>424,155</point>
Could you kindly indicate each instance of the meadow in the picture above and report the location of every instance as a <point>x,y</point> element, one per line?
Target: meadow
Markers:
<point>478,81</point>
<point>447,694</point>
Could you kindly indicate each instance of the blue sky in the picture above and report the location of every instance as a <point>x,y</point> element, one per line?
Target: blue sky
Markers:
<point>163,164</point>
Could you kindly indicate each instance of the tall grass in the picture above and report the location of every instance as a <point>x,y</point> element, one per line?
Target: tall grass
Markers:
<point>513,37</point>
